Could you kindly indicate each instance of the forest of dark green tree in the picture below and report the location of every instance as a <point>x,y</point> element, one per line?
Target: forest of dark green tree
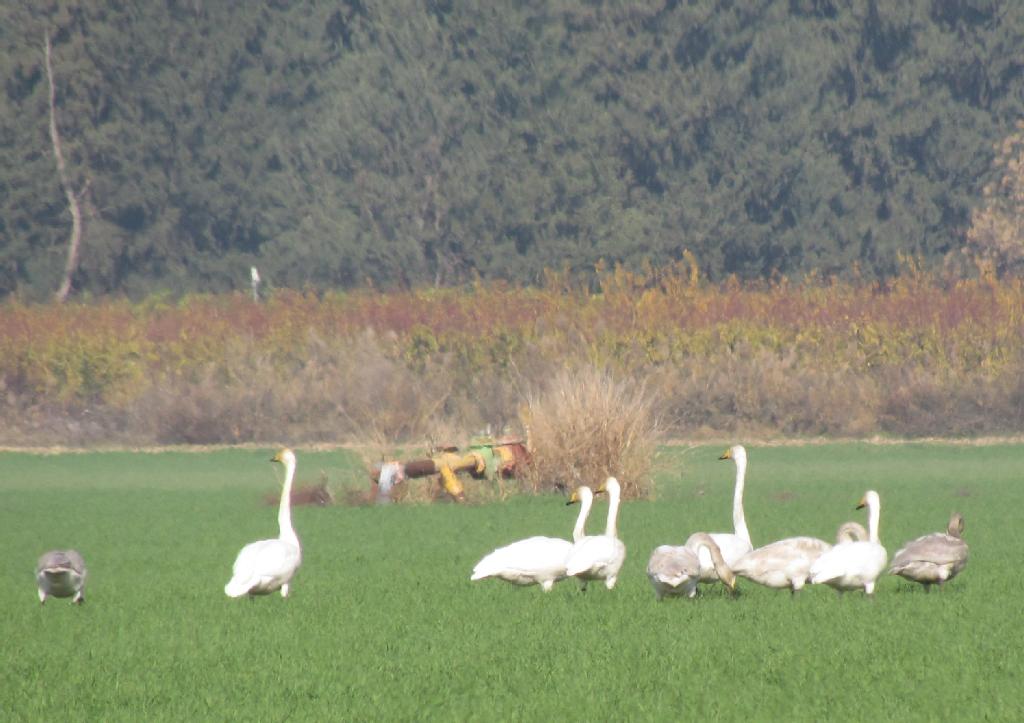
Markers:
<point>343,143</point>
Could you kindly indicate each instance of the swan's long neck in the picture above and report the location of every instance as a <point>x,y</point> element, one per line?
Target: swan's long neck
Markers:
<point>581,520</point>
<point>874,513</point>
<point>851,532</point>
<point>613,511</point>
<point>955,527</point>
<point>721,567</point>
<point>284,512</point>
<point>739,521</point>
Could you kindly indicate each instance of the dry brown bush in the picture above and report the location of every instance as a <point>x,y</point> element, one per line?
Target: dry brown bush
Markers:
<point>352,392</point>
<point>585,425</point>
<point>762,393</point>
<point>376,395</point>
<point>921,401</point>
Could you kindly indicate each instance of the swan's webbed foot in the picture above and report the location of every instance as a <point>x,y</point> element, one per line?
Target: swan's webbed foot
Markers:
<point>79,599</point>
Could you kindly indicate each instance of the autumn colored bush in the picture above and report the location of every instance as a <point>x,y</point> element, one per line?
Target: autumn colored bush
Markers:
<point>916,356</point>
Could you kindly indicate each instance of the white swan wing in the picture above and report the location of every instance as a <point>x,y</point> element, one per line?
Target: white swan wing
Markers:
<point>596,556</point>
<point>263,566</point>
<point>526,562</point>
<point>850,564</point>
<point>833,564</point>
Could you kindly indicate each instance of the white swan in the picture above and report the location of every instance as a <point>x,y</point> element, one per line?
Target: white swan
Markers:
<point>268,565</point>
<point>854,565</point>
<point>674,570</point>
<point>61,573</point>
<point>787,563</point>
<point>536,560</point>
<point>600,557</point>
<point>933,558</point>
<point>732,545</point>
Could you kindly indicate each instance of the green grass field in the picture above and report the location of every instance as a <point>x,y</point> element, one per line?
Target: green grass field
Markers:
<point>383,622</point>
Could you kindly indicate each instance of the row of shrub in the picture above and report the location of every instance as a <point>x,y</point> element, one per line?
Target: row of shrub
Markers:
<point>915,356</point>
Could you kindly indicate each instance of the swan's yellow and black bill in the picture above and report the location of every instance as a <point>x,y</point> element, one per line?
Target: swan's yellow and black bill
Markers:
<point>862,504</point>
<point>727,454</point>
<point>604,486</point>
<point>575,496</point>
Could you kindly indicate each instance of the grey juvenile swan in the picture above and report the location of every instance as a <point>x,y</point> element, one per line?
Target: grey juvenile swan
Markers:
<point>933,558</point>
<point>61,573</point>
<point>675,570</point>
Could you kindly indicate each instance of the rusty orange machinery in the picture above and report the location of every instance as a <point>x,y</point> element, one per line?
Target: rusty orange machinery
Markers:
<point>485,459</point>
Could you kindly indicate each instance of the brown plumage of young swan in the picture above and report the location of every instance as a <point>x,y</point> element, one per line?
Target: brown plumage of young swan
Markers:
<point>935,558</point>
<point>674,570</point>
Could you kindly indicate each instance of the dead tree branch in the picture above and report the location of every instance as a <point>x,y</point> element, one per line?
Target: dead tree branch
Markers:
<point>73,205</point>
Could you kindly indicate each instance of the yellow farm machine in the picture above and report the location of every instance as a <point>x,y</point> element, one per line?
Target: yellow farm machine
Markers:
<point>485,458</point>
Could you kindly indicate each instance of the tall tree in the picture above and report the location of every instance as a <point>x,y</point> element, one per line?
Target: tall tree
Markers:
<point>339,142</point>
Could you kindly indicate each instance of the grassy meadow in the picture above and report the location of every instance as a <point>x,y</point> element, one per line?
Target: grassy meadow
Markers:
<point>383,622</point>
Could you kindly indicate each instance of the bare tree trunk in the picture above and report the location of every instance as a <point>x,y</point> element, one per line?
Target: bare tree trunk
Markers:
<point>76,211</point>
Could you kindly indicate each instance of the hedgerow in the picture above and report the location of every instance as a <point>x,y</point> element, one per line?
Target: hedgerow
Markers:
<point>913,356</point>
